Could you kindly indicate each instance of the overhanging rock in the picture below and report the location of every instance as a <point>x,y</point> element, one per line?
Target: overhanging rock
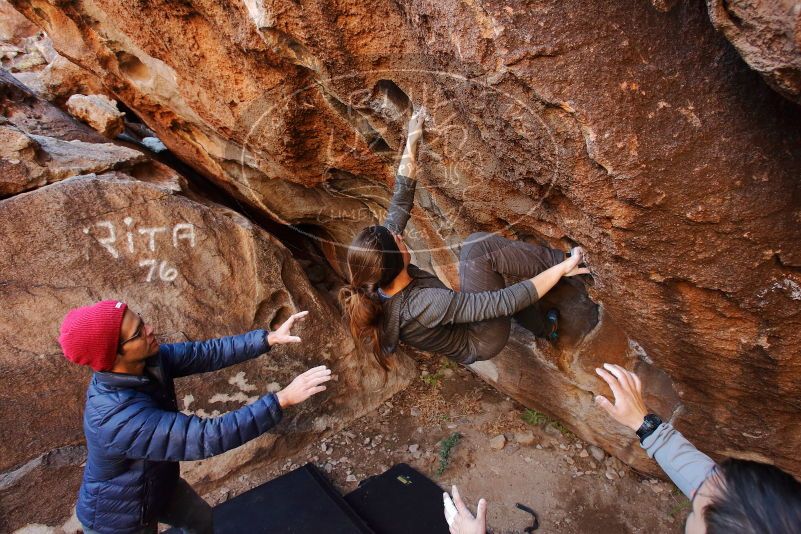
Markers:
<point>639,134</point>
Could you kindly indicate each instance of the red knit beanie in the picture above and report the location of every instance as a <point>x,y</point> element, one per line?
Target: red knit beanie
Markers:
<point>90,335</point>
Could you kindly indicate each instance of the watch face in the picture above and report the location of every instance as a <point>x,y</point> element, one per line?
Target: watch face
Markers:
<point>653,420</point>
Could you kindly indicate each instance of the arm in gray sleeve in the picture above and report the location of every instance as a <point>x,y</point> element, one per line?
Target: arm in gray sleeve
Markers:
<point>686,466</point>
<point>438,306</point>
<point>400,207</point>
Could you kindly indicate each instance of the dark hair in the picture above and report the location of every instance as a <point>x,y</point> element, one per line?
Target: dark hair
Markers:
<point>753,498</point>
<point>374,260</point>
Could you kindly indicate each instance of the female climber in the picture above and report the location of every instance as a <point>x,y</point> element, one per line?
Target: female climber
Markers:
<point>389,299</point>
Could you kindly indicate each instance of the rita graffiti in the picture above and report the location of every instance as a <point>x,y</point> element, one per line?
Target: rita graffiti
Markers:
<point>148,242</point>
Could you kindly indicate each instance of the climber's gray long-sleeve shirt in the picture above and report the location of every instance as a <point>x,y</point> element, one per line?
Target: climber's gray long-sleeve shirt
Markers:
<point>428,315</point>
<point>400,207</point>
<point>686,466</point>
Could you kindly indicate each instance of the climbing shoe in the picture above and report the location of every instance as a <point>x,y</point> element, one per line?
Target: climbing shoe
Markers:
<point>552,325</point>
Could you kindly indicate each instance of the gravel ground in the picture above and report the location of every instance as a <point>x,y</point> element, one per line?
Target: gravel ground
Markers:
<point>505,453</point>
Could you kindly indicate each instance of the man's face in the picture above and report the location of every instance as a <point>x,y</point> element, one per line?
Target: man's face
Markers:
<point>137,341</point>
<point>695,521</point>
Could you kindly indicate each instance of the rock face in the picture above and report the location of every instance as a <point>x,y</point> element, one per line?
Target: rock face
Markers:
<point>193,268</point>
<point>28,53</point>
<point>768,36</point>
<point>638,133</point>
<point>30,160</point>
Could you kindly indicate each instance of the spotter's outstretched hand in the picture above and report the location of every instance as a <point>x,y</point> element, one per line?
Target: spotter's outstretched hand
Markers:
<point>629,408</point>
<point>282,334</point>
<point>304,386</point>
<point>464,522</point>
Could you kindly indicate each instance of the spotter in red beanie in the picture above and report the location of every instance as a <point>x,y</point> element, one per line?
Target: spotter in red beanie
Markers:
<point>90,335</point>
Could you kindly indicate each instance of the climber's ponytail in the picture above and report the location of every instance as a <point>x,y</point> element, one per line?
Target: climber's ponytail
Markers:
<point>374,260</point>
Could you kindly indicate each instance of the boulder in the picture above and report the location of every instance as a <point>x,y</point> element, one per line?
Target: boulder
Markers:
<point>196,272</point>
<point>30,161</point>
<point>99,112</point>
<point>27,52</point>
<point>638,133</point>
<point>498,442</point>
<point>525,438</point>
<point>29,113</point>
<point>195,269</point>
<point>768,36</point>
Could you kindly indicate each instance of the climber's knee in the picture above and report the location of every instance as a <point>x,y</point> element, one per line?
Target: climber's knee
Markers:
<point>487,352</point>
<point>477,236</point>
<point>473,245</point>
<point>488,338</point>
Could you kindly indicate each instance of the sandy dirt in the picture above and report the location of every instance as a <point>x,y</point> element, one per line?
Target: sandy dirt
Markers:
<point>541,464</point>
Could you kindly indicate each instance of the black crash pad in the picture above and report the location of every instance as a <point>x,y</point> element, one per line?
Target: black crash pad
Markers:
<point>302,501</point>
<point>400,501</point>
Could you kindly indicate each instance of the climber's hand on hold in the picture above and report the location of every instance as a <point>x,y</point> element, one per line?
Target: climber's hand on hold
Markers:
<point>629,408</point>
<point>577,271</point>
<point>304,386</point>
<point>571,264</point>
<point>415,128</point>
<point>282,335</point>
<point>464,522</point>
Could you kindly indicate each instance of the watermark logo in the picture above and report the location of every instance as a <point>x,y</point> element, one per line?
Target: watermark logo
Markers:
<point>479,141</point>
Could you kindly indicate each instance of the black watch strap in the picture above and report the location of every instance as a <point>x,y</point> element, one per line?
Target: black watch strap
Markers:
<point>649,424</point>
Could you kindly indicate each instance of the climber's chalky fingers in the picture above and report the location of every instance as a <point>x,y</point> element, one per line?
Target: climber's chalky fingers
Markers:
<point>576,258</point>
<point>415,127</point>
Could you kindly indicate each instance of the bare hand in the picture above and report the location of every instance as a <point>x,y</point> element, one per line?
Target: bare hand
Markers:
<point>415,128</point>
<point>629,408</point>
<point>465,523</point>
<point>304,386</point>
<point>282,335</point>
<point>572,263</point>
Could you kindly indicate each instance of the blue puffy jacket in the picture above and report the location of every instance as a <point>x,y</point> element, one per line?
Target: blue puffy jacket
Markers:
<point>136,436</point>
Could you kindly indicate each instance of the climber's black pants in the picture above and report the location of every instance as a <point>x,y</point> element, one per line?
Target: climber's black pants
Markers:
<point>483,263</point>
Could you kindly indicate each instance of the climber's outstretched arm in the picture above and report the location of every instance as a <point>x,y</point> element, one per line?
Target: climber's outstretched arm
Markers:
<point>548,278</point>
<point>400,206</point>
<point>408,162</point>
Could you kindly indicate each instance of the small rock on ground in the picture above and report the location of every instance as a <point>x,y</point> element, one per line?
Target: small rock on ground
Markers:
<point>524,438</point>
<point>597,453</point>
<point>498,442</point>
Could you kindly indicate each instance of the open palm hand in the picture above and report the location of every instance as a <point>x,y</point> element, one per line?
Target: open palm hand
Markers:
<point>282,334</point>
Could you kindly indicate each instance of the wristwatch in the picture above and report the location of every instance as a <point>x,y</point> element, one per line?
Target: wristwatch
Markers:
<point>649,424</point>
